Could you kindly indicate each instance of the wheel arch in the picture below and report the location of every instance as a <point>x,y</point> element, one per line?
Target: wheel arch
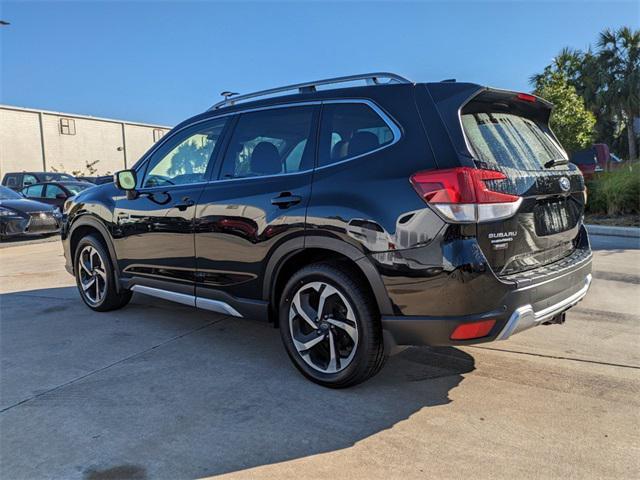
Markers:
<point>87,225</point>
<point>299,252</point>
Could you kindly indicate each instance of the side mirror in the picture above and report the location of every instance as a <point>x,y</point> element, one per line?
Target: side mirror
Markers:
<point>126,180</point>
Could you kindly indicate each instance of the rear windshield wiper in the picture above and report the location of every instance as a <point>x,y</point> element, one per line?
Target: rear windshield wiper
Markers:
<point>556,162</point>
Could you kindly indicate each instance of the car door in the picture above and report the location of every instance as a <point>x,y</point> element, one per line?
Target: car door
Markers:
<point>55,195</point>
<point>153,229</point>
<point>34,192</point>
<point>258,200</point>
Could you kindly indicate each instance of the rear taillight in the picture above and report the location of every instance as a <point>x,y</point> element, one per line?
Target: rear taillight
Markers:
<point>462,195</point>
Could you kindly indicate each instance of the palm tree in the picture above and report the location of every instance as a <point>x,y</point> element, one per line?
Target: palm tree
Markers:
<point>618,62</point>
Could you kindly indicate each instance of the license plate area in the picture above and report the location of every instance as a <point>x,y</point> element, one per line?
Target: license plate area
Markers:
<point>556,216</point>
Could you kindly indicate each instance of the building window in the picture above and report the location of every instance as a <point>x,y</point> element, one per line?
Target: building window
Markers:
<point>158,133</point>
<point>67,126</point>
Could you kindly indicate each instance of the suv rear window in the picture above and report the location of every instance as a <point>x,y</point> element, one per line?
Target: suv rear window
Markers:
<point>510,140</point>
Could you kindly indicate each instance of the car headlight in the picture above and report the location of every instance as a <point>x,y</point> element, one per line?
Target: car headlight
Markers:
<point>7,212</point>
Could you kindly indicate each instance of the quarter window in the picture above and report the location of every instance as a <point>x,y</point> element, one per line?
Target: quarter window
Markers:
<point>184,158</point>
<point>349,130</point>
<point>270,142</point>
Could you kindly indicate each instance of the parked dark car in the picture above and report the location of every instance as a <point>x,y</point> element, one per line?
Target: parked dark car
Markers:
<point>18,180</point>
<point>358,220</point>
<point>20,216</point>
<point>97,180</point>
<point>55,193</point>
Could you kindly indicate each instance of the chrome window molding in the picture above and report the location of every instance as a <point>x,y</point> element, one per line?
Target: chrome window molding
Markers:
<point>388,120</point>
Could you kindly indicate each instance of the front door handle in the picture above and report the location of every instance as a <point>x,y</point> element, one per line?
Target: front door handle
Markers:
<point>285,200</point>
<point>185,203</point>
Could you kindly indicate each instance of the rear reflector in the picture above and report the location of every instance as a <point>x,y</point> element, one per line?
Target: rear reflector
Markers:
<point>467,331</point>
<point>462,195</point>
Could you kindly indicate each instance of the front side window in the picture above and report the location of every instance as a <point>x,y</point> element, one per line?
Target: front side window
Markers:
<point>349,130</point>
<point>270,142</point>
<point>53,191</point>
<point>185,157</point>
<point>34,191</point>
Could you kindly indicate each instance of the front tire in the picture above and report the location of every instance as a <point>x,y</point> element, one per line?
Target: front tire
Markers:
<point>330,326</point>
<point>95,278</point>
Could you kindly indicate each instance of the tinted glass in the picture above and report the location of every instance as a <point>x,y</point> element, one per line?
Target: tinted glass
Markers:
<point>11,180</point>
<point>349,130</point>
<point>52,191</point>
<point>270,142</point>
<point>509,140</point>
<point>28,179</point>
<point>185,157</point>
<point>33,191</point>
<point>8,194</point>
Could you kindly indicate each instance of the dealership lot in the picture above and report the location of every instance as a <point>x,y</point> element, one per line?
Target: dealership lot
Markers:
<point>159,390</point>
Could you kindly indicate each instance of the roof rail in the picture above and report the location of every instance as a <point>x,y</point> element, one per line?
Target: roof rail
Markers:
<point>369,78</point>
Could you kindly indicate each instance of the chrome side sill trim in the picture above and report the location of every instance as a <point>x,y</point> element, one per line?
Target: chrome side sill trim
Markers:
<point>182,298</point>
<point>203,303</point>
<point>525,317</point>
<point>216,306</point>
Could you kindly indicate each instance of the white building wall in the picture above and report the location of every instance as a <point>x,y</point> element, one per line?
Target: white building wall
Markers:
<point>94,139</point>
<point>20,147</point>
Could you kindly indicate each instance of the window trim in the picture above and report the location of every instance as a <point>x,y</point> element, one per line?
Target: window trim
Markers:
<point>386,117</point>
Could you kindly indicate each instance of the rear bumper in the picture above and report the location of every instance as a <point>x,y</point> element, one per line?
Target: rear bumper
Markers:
<point>526,316</point>
<point>515,304</point>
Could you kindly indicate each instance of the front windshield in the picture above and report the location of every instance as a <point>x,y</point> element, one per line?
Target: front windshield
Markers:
<point>76,188</point>
<point>8,194</point>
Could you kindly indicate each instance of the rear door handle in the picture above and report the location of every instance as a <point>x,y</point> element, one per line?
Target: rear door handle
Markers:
<point>285,200</point>
<point>185,203</point>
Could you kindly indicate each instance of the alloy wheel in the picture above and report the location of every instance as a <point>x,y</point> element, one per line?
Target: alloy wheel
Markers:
<point>323,327</point>
<point>92,275</point>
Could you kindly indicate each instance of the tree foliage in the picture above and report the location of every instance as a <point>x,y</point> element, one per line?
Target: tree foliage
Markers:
<point>571,121</point>
<point>608,80</point>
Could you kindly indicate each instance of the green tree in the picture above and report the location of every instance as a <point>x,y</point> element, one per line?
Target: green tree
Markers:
<point>608,79</point>
<point>570,120</point>
<point>619,77</point>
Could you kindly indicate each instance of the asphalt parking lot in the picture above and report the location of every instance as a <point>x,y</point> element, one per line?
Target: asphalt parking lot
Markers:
<point>158,390</point>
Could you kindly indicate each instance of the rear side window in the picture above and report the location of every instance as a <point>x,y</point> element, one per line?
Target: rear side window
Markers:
<point>510,140</point>
<point>270,142</point>
<point>33,191</point>
<point>349,130</point>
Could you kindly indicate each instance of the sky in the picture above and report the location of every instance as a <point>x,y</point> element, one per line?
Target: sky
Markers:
<point>161,62</point>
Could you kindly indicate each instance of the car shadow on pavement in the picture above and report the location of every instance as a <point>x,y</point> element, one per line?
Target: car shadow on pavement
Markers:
<point>172,392</point>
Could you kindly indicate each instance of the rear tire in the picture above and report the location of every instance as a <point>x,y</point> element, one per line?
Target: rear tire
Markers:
<point>95,278</point>
<point>341,345</point>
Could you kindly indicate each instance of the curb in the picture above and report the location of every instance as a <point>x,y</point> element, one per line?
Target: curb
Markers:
<point>630,232</point>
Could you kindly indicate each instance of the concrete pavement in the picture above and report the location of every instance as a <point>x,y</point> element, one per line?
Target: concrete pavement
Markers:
<point>158,390</point>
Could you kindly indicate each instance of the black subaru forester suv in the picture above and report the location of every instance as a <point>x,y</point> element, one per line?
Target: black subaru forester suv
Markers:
<point>358,220</point>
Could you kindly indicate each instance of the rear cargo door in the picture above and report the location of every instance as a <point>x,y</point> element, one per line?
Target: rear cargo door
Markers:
<point>509,132</point>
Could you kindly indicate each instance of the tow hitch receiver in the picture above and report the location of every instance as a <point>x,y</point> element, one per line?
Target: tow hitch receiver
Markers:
<point>558,319</point>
